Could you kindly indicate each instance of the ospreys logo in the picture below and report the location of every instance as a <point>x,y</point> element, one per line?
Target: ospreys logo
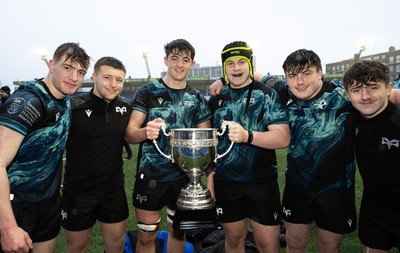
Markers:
<point>120,109</point>
<point>287,212</point>
<point>188,103</point>
<point>390,143</point>
<point>141,198</point>
<point>320,105</point>
<point>64,214</point>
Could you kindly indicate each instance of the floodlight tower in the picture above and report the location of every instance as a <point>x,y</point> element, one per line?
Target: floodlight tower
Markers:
<point>362,49</point>
<point>147,64</point>
<point>42,54</point>
<point>358,55</point>
<point>45,60</point>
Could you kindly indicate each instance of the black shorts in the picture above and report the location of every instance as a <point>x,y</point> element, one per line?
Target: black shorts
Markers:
<point>154,196</point>
<point>334,212</point>
<point>378,227</point>
<point>259,202</point>
<point>41,222</point>
<point>80,212</point>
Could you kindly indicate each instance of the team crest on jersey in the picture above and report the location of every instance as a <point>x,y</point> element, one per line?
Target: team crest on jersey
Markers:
<point>120,109</point>
<point>390,143</point>
<point>188,103</point>
<point>160,100</point>
<point>17,103</point>
<point>320,105</point>
<point>220,102</point>
<point>220,211</point>
<point>251,100</point>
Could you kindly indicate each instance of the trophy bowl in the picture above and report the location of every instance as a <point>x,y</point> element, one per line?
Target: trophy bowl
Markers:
<point>193,150</point>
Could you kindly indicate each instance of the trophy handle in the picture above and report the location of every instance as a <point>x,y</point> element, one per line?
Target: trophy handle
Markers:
<point>163,127</point>
<point>223,127</point>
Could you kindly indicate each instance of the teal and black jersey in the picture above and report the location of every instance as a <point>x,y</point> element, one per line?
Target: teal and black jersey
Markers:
<point>183,108</point>
<point>254,107</point>
<point>320,156</point>
<point>35,172</point>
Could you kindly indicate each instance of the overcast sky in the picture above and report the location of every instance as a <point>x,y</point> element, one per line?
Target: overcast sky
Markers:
<point>126,28</point>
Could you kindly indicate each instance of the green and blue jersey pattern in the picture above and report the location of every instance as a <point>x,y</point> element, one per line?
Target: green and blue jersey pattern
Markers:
<point>35,172</point>
<point>320,156</point>
<point>183,108</point>
<point>254,107</point>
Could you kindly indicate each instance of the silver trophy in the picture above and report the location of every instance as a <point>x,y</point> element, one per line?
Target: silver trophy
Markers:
<point>193,150</point>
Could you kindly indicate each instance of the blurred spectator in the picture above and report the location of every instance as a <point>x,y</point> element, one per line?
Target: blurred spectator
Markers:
<point>4,94</point>
<point>396,82</point>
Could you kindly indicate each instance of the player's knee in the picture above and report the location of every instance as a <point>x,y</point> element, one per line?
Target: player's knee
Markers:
<point>149,228</point>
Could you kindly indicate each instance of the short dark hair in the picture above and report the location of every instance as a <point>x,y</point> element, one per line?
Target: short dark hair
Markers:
<point>364,72</point>
<point>73,52</point>
<point>6,89</point>
<point>300,60</point>
<point>109,61</point>
<point>180,46</point>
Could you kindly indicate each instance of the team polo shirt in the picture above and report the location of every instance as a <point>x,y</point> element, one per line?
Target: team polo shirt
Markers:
<point>95,144</point>
<point>35,172</point>
<point>320,156</point>
<point>254,107</point>
<point>183,108</point>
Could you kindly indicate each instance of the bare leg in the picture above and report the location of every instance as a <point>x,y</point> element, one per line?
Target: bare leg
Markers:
<point>328,242</point>
<point>114,236</point>
<point>78,241</point>
<point>44,247</point>
<point>235,234</point>
<point>297,237</point>
<point>266,237</point>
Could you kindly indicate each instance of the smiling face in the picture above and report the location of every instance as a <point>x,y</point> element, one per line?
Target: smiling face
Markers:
<point>108,82</point>
<point>66,77</point>
<point>368,87</point>
<point>306,83</point>
<point>179,64</point>
<point>369,99</point>
<point>238,72</point>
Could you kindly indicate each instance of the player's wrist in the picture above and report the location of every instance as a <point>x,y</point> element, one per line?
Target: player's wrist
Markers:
<point>250,136</point>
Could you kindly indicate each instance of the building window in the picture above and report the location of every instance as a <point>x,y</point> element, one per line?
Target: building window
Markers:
<point>398,58</point>
<point>391,58</point>
<point>398,68</point>
<point>376,57</point>
<point>391,68</point>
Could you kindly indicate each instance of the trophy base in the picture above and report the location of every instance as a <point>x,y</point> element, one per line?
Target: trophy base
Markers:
<point>195,219</point>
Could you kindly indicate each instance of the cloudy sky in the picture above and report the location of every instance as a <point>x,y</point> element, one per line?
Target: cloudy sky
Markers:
<point>127,28</point>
